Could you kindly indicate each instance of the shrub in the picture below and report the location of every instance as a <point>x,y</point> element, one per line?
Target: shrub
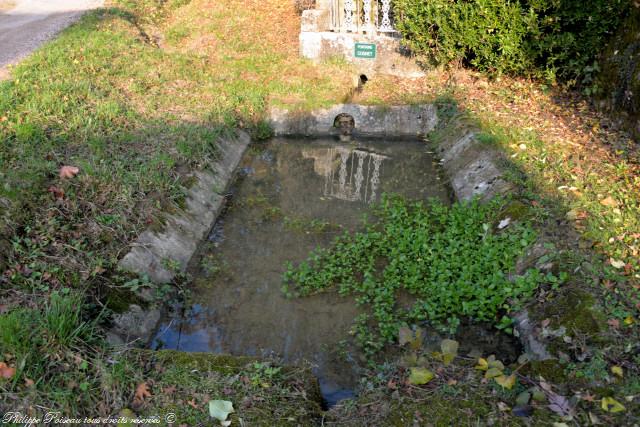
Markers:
<point>552,38</point>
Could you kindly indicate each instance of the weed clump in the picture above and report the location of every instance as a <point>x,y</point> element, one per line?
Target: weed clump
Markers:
<point>450,260</point>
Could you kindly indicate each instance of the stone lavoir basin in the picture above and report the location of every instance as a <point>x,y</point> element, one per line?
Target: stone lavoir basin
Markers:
<point>291,196</point>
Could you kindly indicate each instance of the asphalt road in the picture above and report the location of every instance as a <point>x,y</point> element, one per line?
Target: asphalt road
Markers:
<point>24,27</point>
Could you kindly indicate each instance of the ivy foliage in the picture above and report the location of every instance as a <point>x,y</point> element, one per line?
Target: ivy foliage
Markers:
<point>451,260</point>
<point>550,38</point>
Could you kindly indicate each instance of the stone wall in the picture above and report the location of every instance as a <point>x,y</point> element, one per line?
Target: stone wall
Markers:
<point>318,43</point>
<point>402,121</point>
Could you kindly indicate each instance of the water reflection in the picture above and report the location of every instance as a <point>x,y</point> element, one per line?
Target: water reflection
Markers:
<point>345,170</point>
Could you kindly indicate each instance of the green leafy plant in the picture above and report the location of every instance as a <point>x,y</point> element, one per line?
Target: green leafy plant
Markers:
<point>449,259</point>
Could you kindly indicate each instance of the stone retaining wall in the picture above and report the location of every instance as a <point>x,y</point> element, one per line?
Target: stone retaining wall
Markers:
<point>401,121</point>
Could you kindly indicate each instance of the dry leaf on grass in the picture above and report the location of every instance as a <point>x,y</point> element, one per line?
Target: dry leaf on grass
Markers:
<point>6,371</point>
<point>57,192</point>
<point>142,392</point>
<point>68,172</point>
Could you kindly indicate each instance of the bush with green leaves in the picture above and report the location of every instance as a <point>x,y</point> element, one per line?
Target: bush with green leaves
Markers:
<point>453,262</point>
<point>552,38</point>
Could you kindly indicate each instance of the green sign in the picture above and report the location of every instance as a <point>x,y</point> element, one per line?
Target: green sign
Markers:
<point>365,50</point>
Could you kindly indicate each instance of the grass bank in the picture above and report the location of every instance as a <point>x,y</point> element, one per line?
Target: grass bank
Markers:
<point>135,94</point>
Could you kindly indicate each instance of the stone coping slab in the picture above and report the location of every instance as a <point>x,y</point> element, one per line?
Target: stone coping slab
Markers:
<point>161,254</point>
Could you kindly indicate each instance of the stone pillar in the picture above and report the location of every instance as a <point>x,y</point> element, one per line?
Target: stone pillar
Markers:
<point>315,21</point>
<point>323,4</point>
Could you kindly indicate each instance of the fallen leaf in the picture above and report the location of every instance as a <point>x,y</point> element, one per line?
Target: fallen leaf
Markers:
<point>506,381</point>
<point>609,202</point>
<point>57,192</point>
<point>28,382</point>
<point>573,214</point>
<point>492,373</point>
<point>220,409</point>
<point>523,398</point>
<point>6,371</point>
<point>449,350</point>
<point>594,419</point>
<point>504,223</point>
<point>617,370</point>
<point>419,376</point>
<point>522,410</point>
<point>68,172</point>
<point>128,414</point>
<point>538,395</point>
<point>142,392</point>
<point>482,365</point>
<point>494,363</point>
<point>616,263</point>
<point>503,407</point>
<point>609,404</point>
<point>629,320</point>
<point>413,338</point>
<point>405,335</point>
<point>559,404</point>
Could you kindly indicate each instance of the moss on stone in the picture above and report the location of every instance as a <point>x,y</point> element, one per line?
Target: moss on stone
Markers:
<point>516,210</point>
<point>551,370</point>
<point>439,411</point>
<point>576,311</point>
<point>291,398</point>
<point>464,404</point>
<point>119,300</point>
<point>222,363</point>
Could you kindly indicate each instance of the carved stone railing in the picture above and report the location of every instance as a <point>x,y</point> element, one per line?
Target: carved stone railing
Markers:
<point>361,16</point>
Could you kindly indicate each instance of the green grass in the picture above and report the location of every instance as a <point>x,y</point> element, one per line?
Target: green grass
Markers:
<point>55,348</point>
